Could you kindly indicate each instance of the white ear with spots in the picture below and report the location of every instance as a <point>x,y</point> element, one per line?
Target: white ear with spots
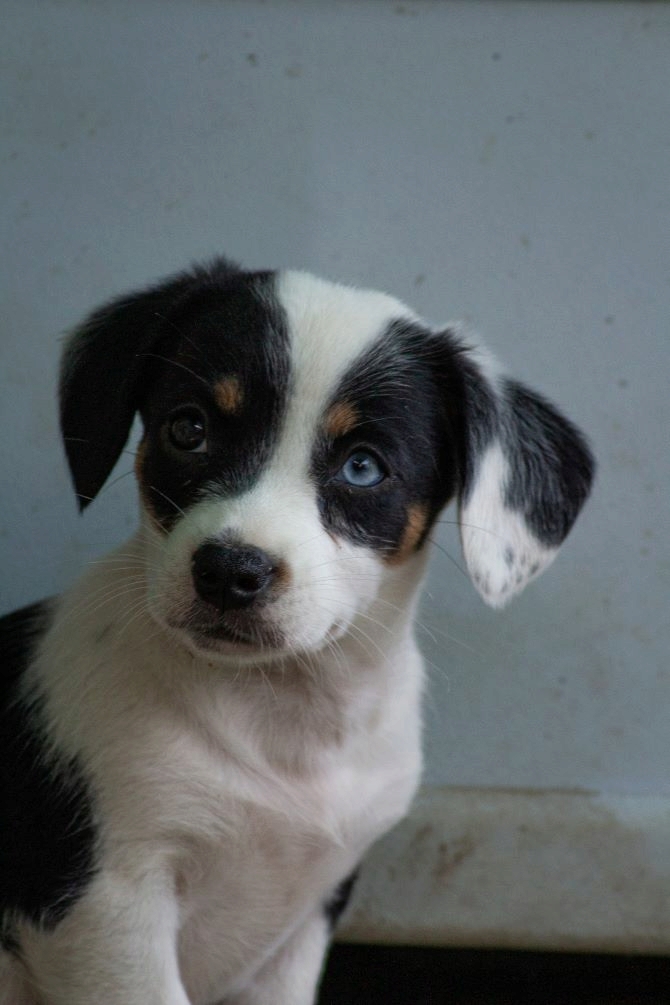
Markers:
<point>502,555</point>
<point>528,470</point>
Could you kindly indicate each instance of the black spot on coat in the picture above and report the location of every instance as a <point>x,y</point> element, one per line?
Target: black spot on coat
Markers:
<point>47,832</point>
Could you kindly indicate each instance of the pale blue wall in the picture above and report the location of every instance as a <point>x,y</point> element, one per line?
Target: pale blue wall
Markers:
<point>502,162</point>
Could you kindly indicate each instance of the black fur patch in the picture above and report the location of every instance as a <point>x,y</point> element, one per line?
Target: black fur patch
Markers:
<point>236,330</point>
<point>165,348</point>
<point>47,832</point>
<point>478,421</point>
<point>335,906</point>
<point>424,406</point>
<point>406,391</point>
<point>551,465</point>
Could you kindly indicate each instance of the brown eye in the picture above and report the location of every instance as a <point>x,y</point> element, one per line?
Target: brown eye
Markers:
<point>187,430</point>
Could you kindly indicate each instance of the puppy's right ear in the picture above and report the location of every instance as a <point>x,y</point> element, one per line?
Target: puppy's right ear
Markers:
<point>101,379</point>
<point>104,367</point>
<point>101,373</point>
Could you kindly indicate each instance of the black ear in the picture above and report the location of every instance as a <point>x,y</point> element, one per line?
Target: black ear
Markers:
<point>527,472</point>
<point>102,371</point>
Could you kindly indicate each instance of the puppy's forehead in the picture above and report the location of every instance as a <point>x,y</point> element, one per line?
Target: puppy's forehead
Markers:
<point>329,326</point>
<point>234,326</point>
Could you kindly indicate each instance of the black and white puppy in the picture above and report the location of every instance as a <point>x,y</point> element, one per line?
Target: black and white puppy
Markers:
<point>202,738</point>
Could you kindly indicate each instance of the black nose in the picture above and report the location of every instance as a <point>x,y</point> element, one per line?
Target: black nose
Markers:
<point>231,577</point>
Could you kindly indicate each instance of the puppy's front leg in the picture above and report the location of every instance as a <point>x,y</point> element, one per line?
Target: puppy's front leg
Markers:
<point>117,947</point>
<point>291,976</point>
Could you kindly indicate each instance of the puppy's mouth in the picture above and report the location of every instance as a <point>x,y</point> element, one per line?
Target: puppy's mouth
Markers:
<point>236,636</point>
<point>229,635</point>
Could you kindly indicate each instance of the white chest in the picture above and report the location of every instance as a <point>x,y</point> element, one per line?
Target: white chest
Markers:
<point>253,798</point>
<point>242,893</point>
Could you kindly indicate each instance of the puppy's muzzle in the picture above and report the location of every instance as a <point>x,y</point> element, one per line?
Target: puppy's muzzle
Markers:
<point>231,577</point>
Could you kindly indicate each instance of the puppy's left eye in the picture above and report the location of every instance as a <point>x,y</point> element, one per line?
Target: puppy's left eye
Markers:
<point>361,469</point>
<point>187,430</point>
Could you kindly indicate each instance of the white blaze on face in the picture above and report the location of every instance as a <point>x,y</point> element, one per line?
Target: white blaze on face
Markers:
<point>329,327</point>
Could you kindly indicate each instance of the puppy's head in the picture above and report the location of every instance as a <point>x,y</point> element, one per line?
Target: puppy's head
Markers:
<point>300,439</point>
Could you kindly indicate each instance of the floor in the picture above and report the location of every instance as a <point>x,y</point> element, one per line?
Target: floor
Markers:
<point>372,975</point>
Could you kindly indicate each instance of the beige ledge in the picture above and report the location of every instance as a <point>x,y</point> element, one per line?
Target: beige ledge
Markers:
<point>563,870</point>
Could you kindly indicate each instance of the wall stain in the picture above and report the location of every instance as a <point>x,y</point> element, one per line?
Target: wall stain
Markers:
<point>450,854</point>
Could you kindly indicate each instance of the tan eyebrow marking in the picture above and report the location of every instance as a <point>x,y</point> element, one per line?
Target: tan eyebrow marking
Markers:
<point>229,395</point>
<point>417,519</point>
<point>341,419</point>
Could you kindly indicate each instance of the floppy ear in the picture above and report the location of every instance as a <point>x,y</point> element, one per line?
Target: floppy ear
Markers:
<point>527,471</point>
<point>101,373</point>
<point>103,370</point>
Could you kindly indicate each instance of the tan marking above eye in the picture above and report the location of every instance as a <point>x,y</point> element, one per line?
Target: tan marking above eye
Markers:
<point>417,519</point>
<point>341,419</point>
<point>229,395</point>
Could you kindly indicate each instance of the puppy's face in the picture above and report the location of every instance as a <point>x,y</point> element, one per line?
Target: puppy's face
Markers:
<point>300,439</point>
<point>295,454</point>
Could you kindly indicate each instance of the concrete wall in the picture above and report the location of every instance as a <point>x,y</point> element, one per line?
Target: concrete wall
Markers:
<point>506,163</point>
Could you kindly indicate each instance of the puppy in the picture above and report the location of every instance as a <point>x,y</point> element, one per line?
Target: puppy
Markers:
<point>202,738</point>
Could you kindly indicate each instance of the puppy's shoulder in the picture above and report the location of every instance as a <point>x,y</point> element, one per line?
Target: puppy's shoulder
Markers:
<point>20,634</point>
<point>46,825</point>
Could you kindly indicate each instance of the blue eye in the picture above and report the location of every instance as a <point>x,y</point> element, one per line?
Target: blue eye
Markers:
<point>362,470</point>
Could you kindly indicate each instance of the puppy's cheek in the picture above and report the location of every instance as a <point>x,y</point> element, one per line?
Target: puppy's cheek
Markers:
<point>170,590</point>
<point>309,627</point>
<point>326,595</point>
<point>350,591</point>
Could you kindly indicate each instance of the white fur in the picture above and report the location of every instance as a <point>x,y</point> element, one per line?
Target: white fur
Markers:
<point>251,793</point>
<point>501,553</point>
